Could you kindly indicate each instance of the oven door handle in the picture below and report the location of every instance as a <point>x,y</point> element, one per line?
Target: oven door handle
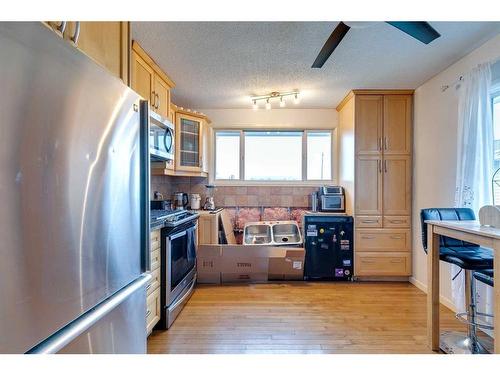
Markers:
<point>186,219</point>
<point>177,235</point>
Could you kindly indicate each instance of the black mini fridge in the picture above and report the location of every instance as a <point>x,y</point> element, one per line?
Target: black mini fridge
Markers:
<point>329,247</point>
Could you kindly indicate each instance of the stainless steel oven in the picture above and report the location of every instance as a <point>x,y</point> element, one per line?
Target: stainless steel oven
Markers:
<point>161,137</point>
<point>178,267</point>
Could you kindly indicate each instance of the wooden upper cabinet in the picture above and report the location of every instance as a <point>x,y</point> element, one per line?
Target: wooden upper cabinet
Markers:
<point>162,92</point>
<point>150,81</point>
<point>369,123</point>
<point>368,187</point>
<point>142,77</point>
<point>188,143</point>
<point>397,124</point>
<point>397,185</point>
<point>107,43</point>
<point>205,133</point>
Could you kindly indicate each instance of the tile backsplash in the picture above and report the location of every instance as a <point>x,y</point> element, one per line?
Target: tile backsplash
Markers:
<point>233,196</point>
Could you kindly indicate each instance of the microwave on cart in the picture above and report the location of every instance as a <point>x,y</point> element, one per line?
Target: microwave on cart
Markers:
<point>161,138</point>
<point>331,199</point>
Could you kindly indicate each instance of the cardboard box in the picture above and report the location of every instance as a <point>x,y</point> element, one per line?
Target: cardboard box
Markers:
<point>244,263</point>
<point>238,263</point>
<point>286,263</point>
<point>208,264</point>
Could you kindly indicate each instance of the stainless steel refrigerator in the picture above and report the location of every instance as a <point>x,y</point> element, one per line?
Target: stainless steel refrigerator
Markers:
<point>74,226</point>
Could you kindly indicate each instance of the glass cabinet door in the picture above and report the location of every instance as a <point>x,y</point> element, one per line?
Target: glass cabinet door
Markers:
<point>189,142</point>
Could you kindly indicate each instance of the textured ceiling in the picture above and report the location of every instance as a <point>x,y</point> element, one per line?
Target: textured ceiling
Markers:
<point>220,64</point>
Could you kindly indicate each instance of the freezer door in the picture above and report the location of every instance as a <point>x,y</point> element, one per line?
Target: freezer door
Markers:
<point>115,326</point>
<point>70,182</point>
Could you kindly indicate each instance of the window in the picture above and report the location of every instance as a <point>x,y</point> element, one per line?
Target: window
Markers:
<point>496,145</point>
<point>227,161</point>
<point>319,155</point>
<point>496,127</point>
<point>273,155</point>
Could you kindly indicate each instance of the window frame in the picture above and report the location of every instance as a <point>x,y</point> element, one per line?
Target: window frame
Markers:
<point>303,182</point>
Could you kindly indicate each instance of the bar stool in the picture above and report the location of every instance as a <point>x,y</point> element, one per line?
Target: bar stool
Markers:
<point>486,277</point>
<point>469,257</point>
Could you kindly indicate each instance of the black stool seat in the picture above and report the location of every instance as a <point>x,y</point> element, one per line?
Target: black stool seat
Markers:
<point>464,254</point>
<point>485,276</point>
<point>467,257</point>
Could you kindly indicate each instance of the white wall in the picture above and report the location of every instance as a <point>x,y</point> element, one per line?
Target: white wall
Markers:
<point>435,138</point>
<point>274,118</point>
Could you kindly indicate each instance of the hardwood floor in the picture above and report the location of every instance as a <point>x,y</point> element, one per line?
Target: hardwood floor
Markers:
<point>300,317</point>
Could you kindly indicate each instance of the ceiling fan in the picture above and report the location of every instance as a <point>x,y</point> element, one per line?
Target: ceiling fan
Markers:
<point>421,31</point>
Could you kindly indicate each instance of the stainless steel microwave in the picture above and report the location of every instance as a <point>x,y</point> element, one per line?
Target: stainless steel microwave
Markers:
<point>161,137</point>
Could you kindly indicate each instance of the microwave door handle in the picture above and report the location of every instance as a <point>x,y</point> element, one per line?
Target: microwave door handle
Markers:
<point>167,147</point>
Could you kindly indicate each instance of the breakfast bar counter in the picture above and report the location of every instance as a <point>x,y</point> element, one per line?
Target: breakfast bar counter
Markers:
<point>470,231</point>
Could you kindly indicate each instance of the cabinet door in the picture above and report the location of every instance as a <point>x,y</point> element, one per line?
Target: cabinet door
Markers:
<point>397,124</point>
<point>368,186</point>
<point>205,134</point>
<point>162,101</point>
<point>105,42</point>
<point>369,120</point>
<point>142,78</point>
<point>397,185</point>
<point>188,143</point>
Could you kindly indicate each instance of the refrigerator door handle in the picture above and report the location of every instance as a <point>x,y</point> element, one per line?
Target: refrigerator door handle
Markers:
<point>145,186</point>
<point>67,334</point>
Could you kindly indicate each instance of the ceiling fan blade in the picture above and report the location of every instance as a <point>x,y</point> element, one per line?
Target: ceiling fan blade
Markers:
<point>332,42</point>
<point>422,31</point>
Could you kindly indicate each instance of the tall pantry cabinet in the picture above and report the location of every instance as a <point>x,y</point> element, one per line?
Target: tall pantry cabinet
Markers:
<point>380,123</point>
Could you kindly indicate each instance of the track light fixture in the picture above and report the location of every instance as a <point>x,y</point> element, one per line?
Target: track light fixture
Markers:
<point>275,94</point>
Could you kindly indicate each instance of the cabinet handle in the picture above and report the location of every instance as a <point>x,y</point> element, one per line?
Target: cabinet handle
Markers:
<point>368,237</point>
<point>367,261</point>
<point>396,260</point>
<point>153,99</point>
<point>76,35</point>
<point>379,163</point>
<point>157,101</point>
<point>148,313</point>
<point>61,27</point>
<point>396,237</point>
<point>385,166</point>
<point>148,287</point>
<point>369,221</point>
<point>385,143</point>
<point>397,221</point>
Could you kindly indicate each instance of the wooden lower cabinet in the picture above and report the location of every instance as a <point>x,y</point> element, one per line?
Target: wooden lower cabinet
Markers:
<point>153,287</point>
<point>383,251</point>
<point>397,222</point>
<point>153,310</point>
<point>362,221</point>
<point>382,264</point>
<point>382,240</point>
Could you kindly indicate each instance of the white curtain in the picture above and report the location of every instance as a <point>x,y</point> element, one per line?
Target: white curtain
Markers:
<point>474,162</point>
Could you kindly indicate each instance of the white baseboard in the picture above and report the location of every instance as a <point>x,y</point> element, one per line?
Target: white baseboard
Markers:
<point>445,301</point>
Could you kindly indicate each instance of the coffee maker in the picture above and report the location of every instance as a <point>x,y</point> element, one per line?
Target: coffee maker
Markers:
<point>180,201</point>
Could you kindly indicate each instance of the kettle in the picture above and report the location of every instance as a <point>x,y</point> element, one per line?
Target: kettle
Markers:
<point>180,201</point>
